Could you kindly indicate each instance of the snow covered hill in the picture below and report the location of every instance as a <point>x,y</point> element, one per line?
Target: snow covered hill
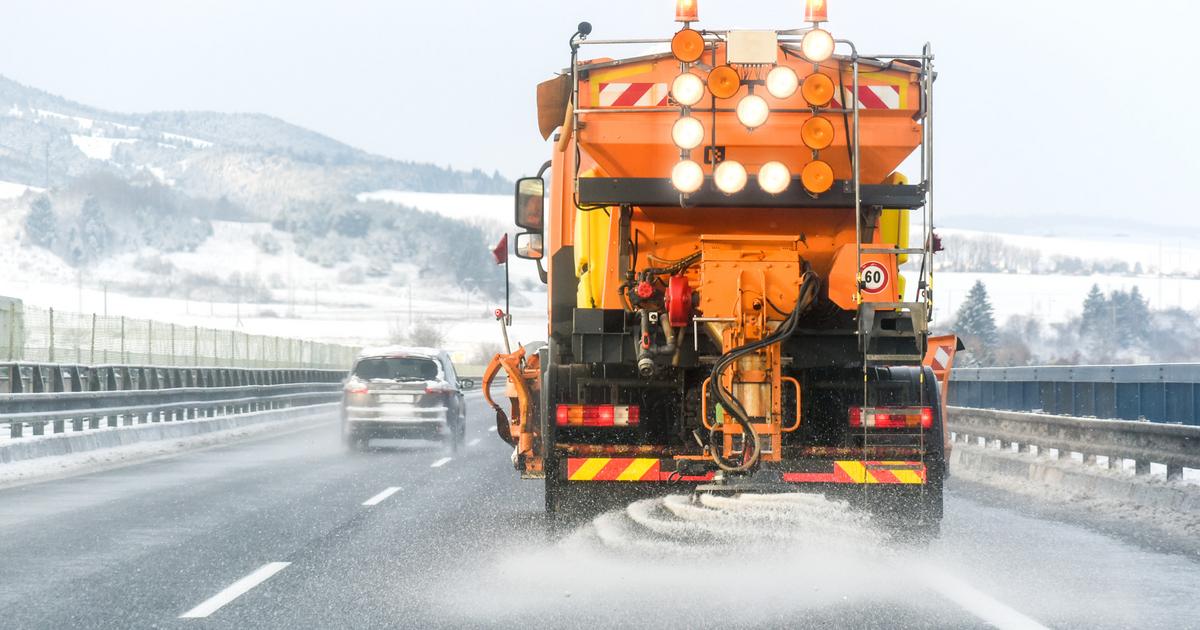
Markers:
<point>256,161</point>
<point>230,281</point>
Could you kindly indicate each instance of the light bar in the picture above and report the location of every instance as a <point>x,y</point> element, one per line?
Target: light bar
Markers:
<point>891,417</point>
<point>597,415</point>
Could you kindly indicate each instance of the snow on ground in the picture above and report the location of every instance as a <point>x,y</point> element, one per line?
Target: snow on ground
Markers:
<point>98,147</point>
<point>498,208</point>
<point>1171,256</point>
<point>195,142</point>
<point>1054,298</point>
<point>310,301</point>
<point>12,190</point>
<point>307,301</point>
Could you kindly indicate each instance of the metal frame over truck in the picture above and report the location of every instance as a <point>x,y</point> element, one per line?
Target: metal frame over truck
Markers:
<point>727,304</point>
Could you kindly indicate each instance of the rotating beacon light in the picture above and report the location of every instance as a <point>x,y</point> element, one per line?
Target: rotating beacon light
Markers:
<point>816,11</point>
<point>686,11</point>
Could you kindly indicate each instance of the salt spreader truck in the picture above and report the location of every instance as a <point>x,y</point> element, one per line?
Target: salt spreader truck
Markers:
<point>734,303</point>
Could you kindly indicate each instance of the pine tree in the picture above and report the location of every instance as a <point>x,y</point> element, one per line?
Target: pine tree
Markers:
<point>976,322</point>
<point>1095,312</point>
<point>1132,319</point>
<point>41,224</point>
<point>93,231</point>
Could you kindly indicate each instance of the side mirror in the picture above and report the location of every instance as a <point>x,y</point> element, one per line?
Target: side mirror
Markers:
<point>529,245</point>
<point>466,383</point>
<point>531,204</point>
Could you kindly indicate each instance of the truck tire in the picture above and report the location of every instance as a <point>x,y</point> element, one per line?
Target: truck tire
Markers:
<point>555,489</point>
<point>915,514</point>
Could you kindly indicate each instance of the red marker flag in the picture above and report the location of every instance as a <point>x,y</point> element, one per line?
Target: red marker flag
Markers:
<point>500,251</point>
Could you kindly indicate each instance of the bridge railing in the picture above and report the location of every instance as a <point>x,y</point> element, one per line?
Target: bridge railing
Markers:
<point>1166,393</point>
<point>43,397</point>
<point>1177,447</point>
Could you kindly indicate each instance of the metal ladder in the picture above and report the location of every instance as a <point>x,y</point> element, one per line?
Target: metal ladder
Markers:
<point>904,341</point>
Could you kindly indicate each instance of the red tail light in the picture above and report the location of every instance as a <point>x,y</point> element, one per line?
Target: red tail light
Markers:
<point>892,417</point>
<point>438,389</point>
<point>355,388</point>
<point>597,415</point>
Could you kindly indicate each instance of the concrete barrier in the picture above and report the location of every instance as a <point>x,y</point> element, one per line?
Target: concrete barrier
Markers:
<point>989,465</point>
<point>72,443</point>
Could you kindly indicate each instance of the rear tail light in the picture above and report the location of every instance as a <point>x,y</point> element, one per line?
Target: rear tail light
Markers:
<point>438,389</point>
<point>355,388</point>
<point>892,417</point>
<point>597,415</point>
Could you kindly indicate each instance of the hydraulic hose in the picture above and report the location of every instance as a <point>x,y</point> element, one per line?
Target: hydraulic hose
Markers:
<point>730,403</point>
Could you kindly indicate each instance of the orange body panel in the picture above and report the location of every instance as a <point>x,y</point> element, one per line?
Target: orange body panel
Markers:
<point>751,260</point>
<point>637,143</point>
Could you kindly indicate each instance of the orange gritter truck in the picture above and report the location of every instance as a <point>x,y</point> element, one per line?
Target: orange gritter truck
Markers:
<point>734,303</point>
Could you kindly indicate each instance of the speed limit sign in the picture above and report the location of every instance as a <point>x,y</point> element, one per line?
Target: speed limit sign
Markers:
<point>875,278</point>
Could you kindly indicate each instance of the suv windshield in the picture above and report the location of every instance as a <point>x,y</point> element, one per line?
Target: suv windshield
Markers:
<point>397,368</point>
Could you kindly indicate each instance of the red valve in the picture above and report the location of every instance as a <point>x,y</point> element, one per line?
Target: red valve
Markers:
<point>499,313</point>
<point>678,301</point>
<point>645,290</point>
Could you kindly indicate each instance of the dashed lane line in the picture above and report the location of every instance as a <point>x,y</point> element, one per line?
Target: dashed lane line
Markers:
<point>978,603</point>
<point>473,442</point>
<point>377,499</point>
<point>235,590</point>
<point>441,462</point>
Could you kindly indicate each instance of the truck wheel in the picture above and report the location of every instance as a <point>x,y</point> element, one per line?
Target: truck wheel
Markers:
<point>912,514</point>
<point>554,490</point>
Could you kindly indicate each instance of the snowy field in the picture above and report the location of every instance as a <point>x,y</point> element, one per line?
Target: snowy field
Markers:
<point>307,300</point>
<point>310,301</point>
<point>1054,298</point>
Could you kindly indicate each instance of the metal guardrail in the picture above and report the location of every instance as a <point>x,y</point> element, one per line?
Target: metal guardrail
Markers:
<point>17,378</point>
<point>1177,447</point>
<point>41,396</point>
<point>1164,392</point>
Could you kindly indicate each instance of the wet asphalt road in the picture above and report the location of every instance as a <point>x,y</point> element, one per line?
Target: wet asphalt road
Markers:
<point>462,543</point>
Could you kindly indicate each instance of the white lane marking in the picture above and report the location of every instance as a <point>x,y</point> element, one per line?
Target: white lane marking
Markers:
<point>441,462</point>
<point>473,442</point>
<point>375,500</point>
<point>492,428</point>
<point>978,603</point>
<point>235,590</point>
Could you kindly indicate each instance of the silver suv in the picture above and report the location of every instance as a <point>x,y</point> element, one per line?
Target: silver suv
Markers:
<point>401,392</point>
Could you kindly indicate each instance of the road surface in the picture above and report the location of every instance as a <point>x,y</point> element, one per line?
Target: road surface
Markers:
<point>291,531</point>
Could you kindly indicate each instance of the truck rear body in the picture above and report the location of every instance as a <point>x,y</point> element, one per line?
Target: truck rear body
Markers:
<point>765,325</point>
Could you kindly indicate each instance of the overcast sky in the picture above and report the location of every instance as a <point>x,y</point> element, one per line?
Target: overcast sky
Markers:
<point>1043,107</point>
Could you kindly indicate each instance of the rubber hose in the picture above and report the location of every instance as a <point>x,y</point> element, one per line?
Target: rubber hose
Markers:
<point>805,298</point>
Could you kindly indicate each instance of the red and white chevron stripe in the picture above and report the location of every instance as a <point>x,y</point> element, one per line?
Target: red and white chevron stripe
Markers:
<point>633,95</point>
<point>872,97</point>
